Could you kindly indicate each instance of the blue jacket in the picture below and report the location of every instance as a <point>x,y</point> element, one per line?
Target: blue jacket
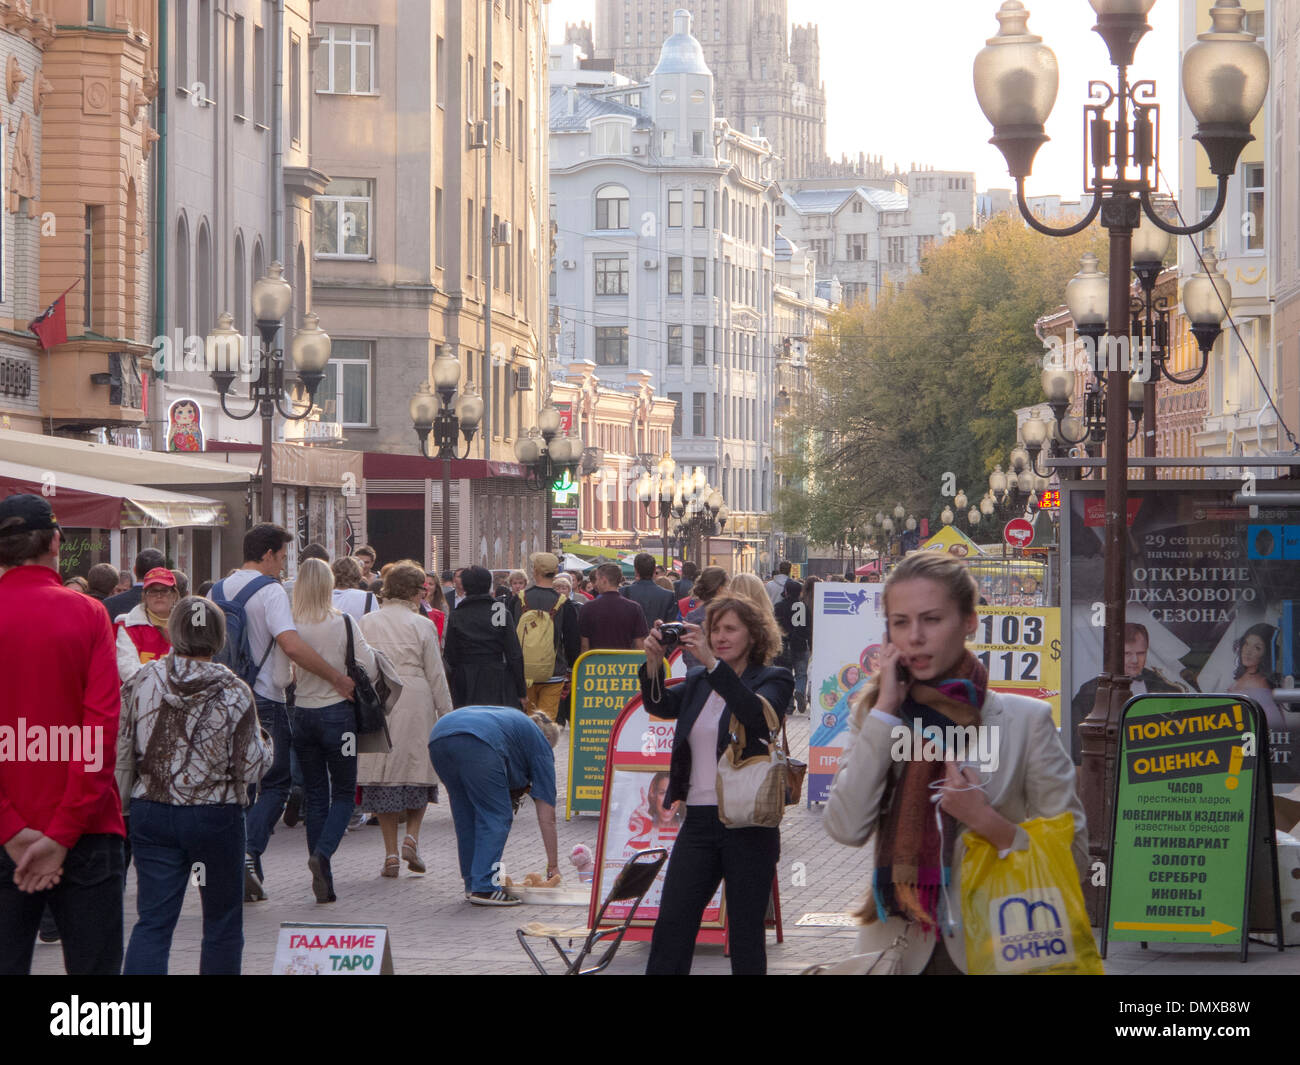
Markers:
<point>683,702</point>
<point>658,604</point>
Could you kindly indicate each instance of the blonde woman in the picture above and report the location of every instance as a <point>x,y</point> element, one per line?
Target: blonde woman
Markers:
<point>321,724</point>
<point>403,779</point>
<point>747,586</point>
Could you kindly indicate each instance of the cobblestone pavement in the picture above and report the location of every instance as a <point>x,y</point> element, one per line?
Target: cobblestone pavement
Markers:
<point>434,930</point>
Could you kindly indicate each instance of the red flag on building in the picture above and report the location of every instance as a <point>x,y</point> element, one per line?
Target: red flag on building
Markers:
<point>51,327</point>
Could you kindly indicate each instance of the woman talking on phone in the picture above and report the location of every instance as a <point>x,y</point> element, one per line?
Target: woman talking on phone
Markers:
<point>927,673</point>
<point>734,648</point>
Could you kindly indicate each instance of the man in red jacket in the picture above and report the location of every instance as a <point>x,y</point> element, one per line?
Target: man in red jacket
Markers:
<point>60,814</point>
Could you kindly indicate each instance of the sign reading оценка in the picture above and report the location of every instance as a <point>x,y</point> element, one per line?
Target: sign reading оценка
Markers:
<point>1183,819</point>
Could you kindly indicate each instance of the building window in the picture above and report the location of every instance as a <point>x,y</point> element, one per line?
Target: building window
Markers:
<point>295,88</point>
<point>856,246</point>
<point>674,345</point>
<point>857,206</point>
<point>1255,220</point>
<point>698,267</point>
<point>345,59</point>
<point>700,354</point>
<point>205,50</point>
<point>675,208</point>
<point>259,75</point>
<point>520,128</point>
<point>697,413</point>
<point>612,208</point>
<point>470,83</point>
<point>342,220</point>
<point>611,345</point>
<point>697,209</point>
<point>439,230</point>
<point>667,144</point>
<point>822,250</point>
<point>470,242</point>
<point>611,138</point>
<point>509,117</point>
<point>674,275</point>
<point>897,250</point>
<point>697,142</point>
<point>676,399</point>
<point>440,62</point>
<point>241,101</point>
<point>612,276</point>
<point>344,394</point>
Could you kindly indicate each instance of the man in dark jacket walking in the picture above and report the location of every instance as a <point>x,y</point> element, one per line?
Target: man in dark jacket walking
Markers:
<point>485,665</point>
<point>658,604</point>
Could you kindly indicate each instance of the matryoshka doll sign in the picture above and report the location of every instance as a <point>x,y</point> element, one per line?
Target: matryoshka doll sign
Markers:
<point>185,426</point>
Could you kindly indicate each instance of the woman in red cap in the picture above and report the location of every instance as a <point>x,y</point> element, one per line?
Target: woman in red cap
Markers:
<point>142,634</point>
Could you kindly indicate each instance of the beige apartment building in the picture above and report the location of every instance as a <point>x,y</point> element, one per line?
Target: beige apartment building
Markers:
<point>401,248</point>
<point>1284,214</point>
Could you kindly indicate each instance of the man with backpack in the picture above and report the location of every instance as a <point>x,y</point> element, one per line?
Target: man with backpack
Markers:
<point>547,625</point>
<point>261,639</point>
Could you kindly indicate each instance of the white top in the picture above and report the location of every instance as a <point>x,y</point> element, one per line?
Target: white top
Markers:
<point>704,753</point>
<point>353,601</point>
<point>269,614</point>
<point>775,587</point>
<point>329,639</point>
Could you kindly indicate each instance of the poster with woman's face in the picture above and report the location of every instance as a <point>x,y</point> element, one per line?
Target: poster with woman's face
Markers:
<point>1213,601</point>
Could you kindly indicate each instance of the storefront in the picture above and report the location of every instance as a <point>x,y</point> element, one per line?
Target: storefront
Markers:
<point>110,521</point>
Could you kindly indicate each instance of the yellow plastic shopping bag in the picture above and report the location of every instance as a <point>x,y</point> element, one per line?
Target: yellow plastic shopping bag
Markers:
<point>1024,913</point>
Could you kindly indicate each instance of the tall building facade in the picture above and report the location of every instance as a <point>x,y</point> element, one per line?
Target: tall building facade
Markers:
<point>1284,212</point>
<point>405,239</point>
<point>665,260</point>
<point>1239,418</point>
<point>767,73</point>
<point>871,235</point>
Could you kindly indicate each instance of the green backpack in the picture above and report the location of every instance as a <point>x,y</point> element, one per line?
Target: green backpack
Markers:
<point>538,638</point>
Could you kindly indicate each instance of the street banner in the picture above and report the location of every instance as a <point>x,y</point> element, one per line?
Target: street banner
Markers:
<point>1191,822</point>
<point>1213,601</point>
<point>634,817</point>
<point>1021,649</point>
<point>332,950</point>
<point>848,636</point>
<point>602,683</point>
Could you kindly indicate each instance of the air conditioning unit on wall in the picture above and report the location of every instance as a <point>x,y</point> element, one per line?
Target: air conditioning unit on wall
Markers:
<point>568,264</point>
<point>651,264</point>
<point>523,378</point>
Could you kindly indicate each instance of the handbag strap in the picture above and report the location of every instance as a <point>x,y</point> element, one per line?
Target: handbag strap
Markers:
<point>769,715</point>
<point>350,661</point>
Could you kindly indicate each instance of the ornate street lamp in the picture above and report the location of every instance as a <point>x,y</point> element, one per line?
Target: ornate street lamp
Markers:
<point>309,352</point>
<point>550,460</point>
<point>1225,79</point>
<point>445,416</point>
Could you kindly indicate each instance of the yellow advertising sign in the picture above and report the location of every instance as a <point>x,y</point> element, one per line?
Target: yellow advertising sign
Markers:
<point>952,540</point>
<point>1020,646</point>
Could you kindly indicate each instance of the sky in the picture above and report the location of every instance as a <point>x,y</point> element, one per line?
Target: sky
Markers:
<point>910,62</point>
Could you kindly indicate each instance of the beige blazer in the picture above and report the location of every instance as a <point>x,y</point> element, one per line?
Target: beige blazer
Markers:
<point>1034,778</point>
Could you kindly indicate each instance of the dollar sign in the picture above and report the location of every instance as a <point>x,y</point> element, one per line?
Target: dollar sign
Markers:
<point>1056,650</point>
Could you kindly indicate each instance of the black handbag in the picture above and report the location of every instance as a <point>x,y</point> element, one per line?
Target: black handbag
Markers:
<point>366,701</point>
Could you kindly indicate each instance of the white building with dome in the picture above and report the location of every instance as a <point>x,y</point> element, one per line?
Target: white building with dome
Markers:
<point>664,262</point>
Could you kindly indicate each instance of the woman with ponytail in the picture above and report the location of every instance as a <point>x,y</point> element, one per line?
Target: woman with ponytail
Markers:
<point>884,789</point>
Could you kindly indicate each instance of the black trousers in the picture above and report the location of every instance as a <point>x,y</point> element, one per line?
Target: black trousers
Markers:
<point>87,907</point>
<point>704,853</point>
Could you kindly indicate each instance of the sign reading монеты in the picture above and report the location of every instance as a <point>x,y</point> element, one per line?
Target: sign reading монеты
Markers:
<point>1182,843</point>
<point>602,684</point>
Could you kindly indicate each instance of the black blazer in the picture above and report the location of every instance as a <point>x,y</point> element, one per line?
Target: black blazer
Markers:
<point>684,702</point>
<point>658,604</point>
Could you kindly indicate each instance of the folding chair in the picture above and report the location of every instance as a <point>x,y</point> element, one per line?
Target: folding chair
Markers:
<point>633,882</point>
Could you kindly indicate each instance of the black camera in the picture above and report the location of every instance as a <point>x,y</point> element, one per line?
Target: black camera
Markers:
<point>671,633</point>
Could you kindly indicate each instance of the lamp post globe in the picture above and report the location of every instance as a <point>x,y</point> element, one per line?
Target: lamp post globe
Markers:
<point>548,420</point>
<point>424,406</point>
<point>1087,295</point>
<point>959,501</point>
<point>1016,80</point>
<point>947,516</point>
<point>899,512</point>
<point>272,295</point>
<point>469,410</point>
<point>528,447</point>
<point>1035,432</point>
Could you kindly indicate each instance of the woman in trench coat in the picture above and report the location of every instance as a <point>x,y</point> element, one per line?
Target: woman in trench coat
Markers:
<point>403,779</point>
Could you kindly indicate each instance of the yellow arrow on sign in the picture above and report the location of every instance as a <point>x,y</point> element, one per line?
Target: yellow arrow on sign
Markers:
<point>1215,928</point>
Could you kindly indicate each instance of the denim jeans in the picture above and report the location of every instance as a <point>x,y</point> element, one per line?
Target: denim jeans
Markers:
<point>273,791</point>
<point>87,907</point>
<point>475,778</point>
<point>705,853</point>
<point>168,842</point>
<point>801,680</point>
<point>329,777</point>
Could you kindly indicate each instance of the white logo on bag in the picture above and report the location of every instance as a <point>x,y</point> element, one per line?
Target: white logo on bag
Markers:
<point>1029,930</point>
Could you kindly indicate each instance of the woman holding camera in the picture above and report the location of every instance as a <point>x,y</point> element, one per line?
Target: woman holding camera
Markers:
<point>734,648</point>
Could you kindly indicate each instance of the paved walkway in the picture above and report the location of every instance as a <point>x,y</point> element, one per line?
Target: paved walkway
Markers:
<point>433,929</point>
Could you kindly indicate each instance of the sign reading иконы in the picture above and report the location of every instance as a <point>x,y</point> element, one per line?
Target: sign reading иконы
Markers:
<point>602,683</point>
<point>1182,845</point>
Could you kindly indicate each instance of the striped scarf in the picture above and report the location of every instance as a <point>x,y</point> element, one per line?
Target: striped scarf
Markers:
<point>911,864</point>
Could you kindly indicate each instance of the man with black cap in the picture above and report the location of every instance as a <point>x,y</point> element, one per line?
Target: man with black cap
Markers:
<point>60,815</point>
